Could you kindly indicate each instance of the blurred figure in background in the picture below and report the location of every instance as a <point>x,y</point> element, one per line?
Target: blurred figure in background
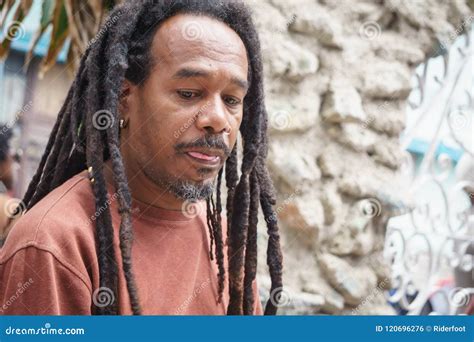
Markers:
<point>6,181</point>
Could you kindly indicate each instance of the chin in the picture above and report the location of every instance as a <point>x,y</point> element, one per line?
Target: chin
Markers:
<point>206,174</point>
<point>191,190</point>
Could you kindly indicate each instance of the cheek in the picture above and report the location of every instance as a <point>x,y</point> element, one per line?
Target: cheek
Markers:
<point>169,120</point>
<point>156,125</point>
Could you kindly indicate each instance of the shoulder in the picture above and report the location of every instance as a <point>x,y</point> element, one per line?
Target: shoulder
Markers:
<point>61,224</point>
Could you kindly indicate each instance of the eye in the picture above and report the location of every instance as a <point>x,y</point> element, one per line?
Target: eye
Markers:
<point>231,101</point>
<point>187,94</point>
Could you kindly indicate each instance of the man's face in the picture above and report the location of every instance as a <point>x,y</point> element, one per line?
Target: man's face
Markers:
<point>184,119</point>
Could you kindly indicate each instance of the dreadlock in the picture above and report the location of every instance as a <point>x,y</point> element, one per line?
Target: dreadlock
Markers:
<point>123,52</point>
<point>5,136</point>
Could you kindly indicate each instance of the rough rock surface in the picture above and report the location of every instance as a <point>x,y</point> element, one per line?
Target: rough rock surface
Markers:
<point>337,75</point>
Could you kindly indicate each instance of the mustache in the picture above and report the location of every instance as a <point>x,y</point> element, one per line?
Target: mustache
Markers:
<point>207,141</point>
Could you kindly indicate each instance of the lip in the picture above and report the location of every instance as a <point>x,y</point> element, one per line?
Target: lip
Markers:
<point>193,155</point>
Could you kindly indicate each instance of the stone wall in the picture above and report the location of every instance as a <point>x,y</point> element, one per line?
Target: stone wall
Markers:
<point>337,79</point>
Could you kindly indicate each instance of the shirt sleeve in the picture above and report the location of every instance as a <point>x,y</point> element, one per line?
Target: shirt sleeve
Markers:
<point>35,282</point>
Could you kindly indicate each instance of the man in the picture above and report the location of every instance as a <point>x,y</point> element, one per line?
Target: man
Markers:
<point>134,159</point>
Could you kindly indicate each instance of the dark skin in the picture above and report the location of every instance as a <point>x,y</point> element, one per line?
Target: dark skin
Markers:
<point>195,88</point>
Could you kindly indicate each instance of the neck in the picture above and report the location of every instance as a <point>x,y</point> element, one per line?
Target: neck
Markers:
<point>144,190</point>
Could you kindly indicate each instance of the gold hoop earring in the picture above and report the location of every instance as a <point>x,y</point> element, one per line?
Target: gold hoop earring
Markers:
<point>123,123</point>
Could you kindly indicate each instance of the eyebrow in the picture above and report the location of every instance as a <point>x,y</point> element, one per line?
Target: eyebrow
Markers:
<point>191,72</point>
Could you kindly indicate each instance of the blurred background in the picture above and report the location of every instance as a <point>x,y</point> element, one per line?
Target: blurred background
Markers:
<point>370,105</point>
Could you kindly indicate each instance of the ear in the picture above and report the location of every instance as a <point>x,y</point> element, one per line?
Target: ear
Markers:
<point>125,98</point>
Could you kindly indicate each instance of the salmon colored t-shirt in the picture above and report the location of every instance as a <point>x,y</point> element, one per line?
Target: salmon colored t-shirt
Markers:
<point>49,266</point>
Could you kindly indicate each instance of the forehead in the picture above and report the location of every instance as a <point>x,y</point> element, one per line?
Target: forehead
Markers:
<point>199,40</point>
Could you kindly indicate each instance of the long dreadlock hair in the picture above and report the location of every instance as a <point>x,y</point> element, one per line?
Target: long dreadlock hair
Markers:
<point>122,51</point>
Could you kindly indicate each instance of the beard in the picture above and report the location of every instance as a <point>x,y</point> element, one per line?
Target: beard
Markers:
<point>185,189</point>
<point>192,192</point>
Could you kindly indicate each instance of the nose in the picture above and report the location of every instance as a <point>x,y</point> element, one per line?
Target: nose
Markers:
<point>212,117</point>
